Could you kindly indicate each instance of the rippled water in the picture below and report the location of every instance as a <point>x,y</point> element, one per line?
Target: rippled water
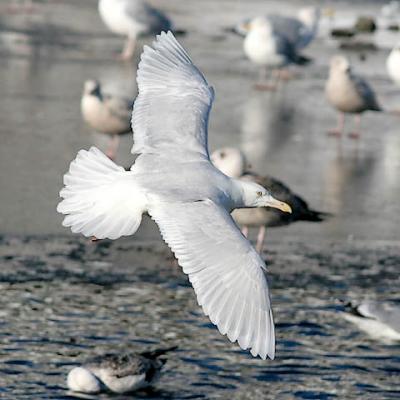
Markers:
<point>64,300</point>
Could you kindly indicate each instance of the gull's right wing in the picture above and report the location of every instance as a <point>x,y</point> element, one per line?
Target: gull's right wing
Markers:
<point>226,272</point>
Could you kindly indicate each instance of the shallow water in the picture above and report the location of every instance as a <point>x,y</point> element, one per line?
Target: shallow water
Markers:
<point>64,299</point>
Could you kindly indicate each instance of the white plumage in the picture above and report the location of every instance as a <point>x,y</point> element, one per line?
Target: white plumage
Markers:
<point>393,64</point>
<point>190,200</point>
<point>132,18</point>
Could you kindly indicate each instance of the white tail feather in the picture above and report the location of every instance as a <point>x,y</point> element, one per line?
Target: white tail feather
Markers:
<point>100,198</point>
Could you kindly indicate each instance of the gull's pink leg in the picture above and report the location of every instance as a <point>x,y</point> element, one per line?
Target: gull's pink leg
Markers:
<point>264,83</point>
<point>245,231</point>
<point>128,50</point>
<point>113,147</point>
<point>356,133</point>
<point>260,239</point>
<point>338,131</point>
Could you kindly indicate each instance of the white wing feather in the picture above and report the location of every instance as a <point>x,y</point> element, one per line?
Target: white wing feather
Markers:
<point>170,114</point>
<point>224,269</point>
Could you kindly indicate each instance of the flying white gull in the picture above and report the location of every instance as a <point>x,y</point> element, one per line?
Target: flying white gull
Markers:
<point>118,373</point>
<point>174,181</point>
<point>132,18</point>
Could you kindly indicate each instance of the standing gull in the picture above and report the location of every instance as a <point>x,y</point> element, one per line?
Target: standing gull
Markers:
<point>348,93</point>
<point>118,373</point>
<point>232,162</point>
<point>298,31</point>
<point>107,114</point>
<point>268,49</point>
<point>174,181</point>
<point>132,18</point>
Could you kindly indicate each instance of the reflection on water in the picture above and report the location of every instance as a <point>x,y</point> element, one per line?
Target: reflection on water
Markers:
<point>65,299</point>
<point>267,124</point>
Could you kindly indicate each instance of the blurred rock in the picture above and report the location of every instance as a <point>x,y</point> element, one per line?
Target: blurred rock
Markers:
<point>365,25</point>
<point>343,32</point>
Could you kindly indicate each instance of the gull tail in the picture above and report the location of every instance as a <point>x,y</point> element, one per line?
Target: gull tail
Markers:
<point>100,198</point>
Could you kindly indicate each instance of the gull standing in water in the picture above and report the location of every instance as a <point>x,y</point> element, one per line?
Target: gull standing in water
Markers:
<point>232,162</point>
<point>174,181</point>
<point>298,31</point>
<point>132,18</point>
<point>118,373</point>
<point>109,114</point>
<point>348,93</point>
<point>268,49</point>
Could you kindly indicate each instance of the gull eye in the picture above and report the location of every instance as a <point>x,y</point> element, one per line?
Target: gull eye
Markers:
<point>259,194</point>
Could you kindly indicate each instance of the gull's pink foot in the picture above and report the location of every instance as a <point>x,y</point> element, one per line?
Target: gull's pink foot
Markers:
<point>265,86</point>
<point>334,132</point>
<point>354,135</point>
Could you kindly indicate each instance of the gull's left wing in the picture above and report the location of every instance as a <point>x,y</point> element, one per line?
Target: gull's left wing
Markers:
<point>226,272</point>
<point>170,115</point>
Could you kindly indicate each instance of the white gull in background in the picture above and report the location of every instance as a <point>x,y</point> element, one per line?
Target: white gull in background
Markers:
<point>298,31</point>
<point>348,92</point>
<point>379,320</point>
<point>393,64</point>
<point>174,181</point>
<point>268,49</point>
<point>105,113</point>
<point>232,162</point>
<point>132,18</point>
<point>118,373</point>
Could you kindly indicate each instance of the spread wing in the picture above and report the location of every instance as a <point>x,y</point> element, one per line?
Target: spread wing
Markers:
<point>170,115</point>
<point>226,272</point>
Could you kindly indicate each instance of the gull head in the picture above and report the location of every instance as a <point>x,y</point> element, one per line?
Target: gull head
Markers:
<point>309,16</point>
<point>339,64</point>
<point>92,87</point>
<point>230,161</point>
<point>254,195</point>
<point>260,24</point>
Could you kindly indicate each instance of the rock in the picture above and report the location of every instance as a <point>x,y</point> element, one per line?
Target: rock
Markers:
<point>365,25</point>
<point>343,32</point>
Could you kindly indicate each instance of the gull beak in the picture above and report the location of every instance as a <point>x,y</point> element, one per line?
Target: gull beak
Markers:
<point>280,205</point>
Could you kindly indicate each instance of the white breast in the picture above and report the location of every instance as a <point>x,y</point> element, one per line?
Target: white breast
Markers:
<point>393,65</point>
<point>261,49</point>
<point>117,20</point>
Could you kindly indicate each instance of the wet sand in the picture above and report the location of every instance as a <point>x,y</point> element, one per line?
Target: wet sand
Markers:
<point>64,299</point>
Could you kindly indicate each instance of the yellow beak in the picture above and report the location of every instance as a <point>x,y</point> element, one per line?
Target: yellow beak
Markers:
<point>280,205</point>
